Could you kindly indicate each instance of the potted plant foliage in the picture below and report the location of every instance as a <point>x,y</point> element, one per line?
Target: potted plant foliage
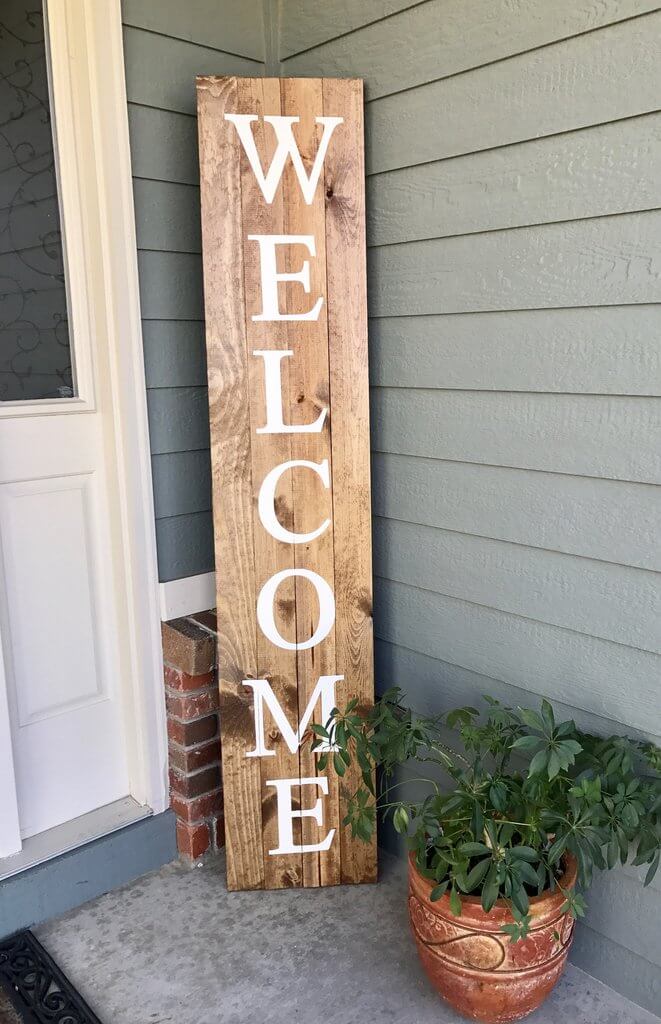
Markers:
<point>505,834</point>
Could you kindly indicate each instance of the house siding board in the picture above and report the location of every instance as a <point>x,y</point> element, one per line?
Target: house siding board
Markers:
<point>165,46</point>
<point>596,350</point>
<point>447,39</point>
<point>599,599</point>
<point>596,171</point>
<point>175,353</point>
<point>163,145</point>
<point>636,977</point>
<point>605,436</point>
<point>182,483</point>
<point>221,24</point>
<point>515,367</point>
<point>514,269</point>
<point>601,76</point>
<point>185,545</point>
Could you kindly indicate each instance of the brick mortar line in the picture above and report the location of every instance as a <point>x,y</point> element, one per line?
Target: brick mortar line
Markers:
<point>195,771</point>
<point>209,688</point>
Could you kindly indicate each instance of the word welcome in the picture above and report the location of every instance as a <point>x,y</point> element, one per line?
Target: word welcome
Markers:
<point>274,423</point>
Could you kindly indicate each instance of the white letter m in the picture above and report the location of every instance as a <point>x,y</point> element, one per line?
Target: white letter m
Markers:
<point>264,695</point>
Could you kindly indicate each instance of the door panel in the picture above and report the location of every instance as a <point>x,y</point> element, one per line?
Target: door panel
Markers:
<point>64,651</point>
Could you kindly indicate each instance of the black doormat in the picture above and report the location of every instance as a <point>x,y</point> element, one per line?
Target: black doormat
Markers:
<point>34,988</point>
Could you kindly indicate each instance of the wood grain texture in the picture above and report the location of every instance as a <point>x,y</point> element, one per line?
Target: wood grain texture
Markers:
<point>278,666</point>
<point>328,369</point>
<point>604,261</point>
<point>448,37</point>
<point>602,519</point>
<point>309,393</point>
<point>601,76</point>
<point>594,350</point>
<point>347,330</point>
<point>229,411</point>
<point>603,436</point>
<point>593,172</point>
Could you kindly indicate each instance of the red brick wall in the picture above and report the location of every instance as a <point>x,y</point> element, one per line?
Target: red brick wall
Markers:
<point>191,697</point>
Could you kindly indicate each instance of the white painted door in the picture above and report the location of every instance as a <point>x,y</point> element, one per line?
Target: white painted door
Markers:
<point>62,737</point>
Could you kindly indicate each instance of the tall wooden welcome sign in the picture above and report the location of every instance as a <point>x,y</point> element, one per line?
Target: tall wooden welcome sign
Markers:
<point>283,227</point>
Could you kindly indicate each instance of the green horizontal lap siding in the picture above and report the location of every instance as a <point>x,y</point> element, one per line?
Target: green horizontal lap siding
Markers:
<point>165,46</point>
<point>515,269</point>
<point>514,218</point>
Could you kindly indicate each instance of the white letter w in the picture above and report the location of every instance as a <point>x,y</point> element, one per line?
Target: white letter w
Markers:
<point>287,146</point>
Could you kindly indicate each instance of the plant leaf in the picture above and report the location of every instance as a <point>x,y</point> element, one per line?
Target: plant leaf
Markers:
<point>438,891</point>
<point>476,874</point>
<point>455,902</point>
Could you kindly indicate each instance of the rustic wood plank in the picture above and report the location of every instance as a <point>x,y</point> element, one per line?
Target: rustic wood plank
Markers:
<point>347,328</point>
<point>278,666</point>
<point>328,366</point>
<point>229,407</point>
<point>594,172</point>
<point>309,393</point>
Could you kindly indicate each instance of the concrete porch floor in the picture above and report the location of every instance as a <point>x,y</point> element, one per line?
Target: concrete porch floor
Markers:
<point>174,947</point>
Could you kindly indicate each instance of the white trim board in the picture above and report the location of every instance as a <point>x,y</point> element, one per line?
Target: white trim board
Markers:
<point>187,596</point>
<point>145,701</point>
<point>86,44</point>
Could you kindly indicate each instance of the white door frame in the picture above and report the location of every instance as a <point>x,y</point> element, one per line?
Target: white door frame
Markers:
<point>93,155</point>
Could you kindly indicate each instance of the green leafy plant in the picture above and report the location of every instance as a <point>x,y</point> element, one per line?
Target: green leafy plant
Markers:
<point>501,811</point>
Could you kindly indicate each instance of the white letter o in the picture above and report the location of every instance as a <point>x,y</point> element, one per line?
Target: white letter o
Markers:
<point>266,618</point>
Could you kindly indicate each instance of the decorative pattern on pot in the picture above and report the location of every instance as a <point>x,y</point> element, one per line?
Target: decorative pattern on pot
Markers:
<point>475,966</point>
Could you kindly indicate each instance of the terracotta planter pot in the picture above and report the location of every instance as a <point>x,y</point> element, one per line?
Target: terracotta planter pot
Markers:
<point>474,966</point>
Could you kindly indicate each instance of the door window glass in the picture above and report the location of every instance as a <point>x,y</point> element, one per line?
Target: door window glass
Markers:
<point>35,352</point>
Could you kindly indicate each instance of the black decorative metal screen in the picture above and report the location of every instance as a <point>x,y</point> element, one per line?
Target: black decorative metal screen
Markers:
<point>35,356</point>
<point>36,986</point>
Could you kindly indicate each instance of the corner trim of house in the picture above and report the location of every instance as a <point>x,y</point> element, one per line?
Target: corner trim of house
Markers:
<point>187,596</point>
<point>144,705</point>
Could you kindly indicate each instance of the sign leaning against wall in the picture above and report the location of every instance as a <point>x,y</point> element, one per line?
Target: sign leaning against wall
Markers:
<point>283,229</point>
